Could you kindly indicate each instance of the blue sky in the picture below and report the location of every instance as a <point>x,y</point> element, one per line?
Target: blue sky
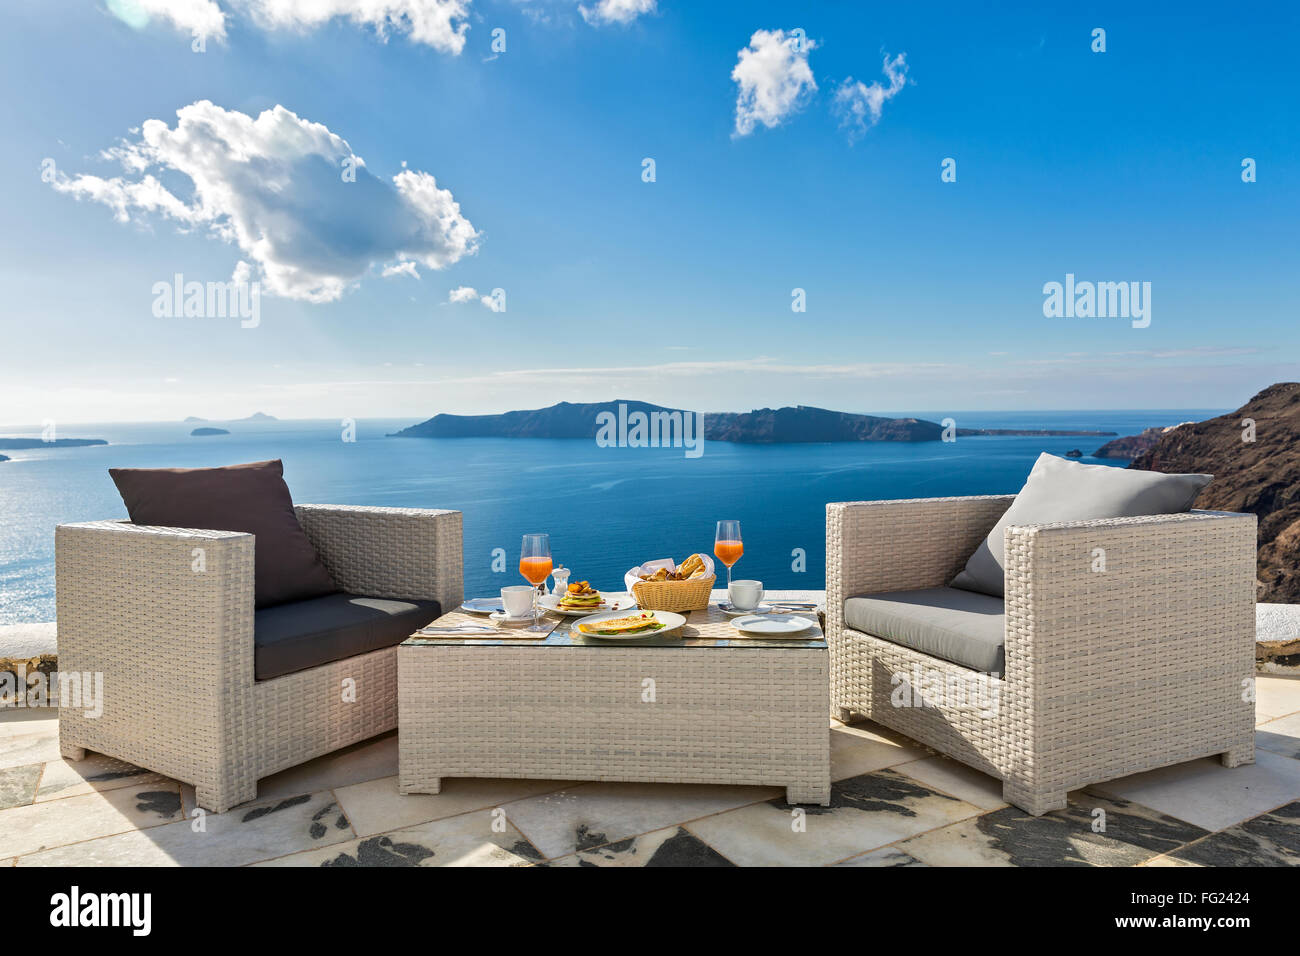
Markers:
<point>1115,166</point>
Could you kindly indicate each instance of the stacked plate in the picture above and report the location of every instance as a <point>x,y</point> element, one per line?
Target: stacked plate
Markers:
<point>773,625</point>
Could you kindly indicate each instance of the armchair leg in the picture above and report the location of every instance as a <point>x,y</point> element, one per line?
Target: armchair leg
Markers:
<point>842,714</point>
<point>1033,802</point>
<point>805,793</point>
<point>1239,755</point>
<point>221,799</point>
<point>71,752</point>
<point>424,785</point>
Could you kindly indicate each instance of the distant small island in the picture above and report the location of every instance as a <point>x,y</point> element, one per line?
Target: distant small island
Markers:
<point>790,424</point>
<point>200,432</point>
<point>255,417</point>
<point>4,457</point>
<point>20,443</point>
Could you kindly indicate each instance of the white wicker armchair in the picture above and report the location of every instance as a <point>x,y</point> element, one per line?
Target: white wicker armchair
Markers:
<point>166,615</point>
<point>1108,673</point>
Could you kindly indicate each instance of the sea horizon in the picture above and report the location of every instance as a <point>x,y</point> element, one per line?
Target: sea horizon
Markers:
<point>8,430</point>
<point>606,509</point>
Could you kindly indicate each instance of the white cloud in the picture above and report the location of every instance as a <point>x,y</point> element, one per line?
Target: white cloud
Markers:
<point>203,17</point>
<point>122,196</point>
<point>466,293</point>
<point>859,106</point>
<point>700,370</point>
<point>774,78</point>
<point>273,186</point>
<point>441,24</point>
<point>616,11</point>
<point>401,269</point>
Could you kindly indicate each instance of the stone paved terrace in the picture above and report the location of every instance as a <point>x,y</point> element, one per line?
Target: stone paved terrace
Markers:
<point>894,804</point>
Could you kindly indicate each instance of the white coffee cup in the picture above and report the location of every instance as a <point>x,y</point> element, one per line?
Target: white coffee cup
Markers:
<point>517,599</point>
<point>745,595</point>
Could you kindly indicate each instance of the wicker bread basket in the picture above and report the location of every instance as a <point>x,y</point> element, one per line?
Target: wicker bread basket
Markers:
<point>673,595</point>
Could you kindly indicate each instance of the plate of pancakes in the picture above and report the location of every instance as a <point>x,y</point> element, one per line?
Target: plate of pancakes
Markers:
<point>581,599</point>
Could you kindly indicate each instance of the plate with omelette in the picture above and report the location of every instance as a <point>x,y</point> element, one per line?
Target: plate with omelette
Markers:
<point>581,599</point>
<point>622,626</point>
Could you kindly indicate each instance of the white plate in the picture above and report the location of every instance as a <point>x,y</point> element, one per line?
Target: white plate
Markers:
<point>617,602</point>
<point>730,611</point>
<point>668,619</point>
<point>482,605</point>
<point>771,624</point>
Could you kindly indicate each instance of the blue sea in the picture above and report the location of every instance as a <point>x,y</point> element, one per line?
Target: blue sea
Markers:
<point>606,509</point>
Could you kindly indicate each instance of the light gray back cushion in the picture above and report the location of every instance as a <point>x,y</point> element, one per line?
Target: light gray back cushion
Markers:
<point>1062,490</point>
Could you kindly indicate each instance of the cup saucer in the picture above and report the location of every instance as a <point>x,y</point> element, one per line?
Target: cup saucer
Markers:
<point>502,618</point>
<point>732,611</point>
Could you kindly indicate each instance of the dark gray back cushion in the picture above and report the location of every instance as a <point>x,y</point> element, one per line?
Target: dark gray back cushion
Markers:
<point>251,498</point>
<point>1062,490</point>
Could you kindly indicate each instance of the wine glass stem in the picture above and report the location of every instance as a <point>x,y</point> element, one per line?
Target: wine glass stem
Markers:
<point>728,577</point>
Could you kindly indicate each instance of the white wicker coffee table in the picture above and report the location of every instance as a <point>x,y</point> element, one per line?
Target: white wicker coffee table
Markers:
<point>702,706</point>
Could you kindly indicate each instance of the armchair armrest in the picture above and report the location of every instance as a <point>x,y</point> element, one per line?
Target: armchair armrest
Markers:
<point>411,553</point>
<point>165,615</point>
<point>1134,631</point>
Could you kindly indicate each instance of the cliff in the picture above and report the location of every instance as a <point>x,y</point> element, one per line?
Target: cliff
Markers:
<point>1130,446</point>
<point>1260,476</point>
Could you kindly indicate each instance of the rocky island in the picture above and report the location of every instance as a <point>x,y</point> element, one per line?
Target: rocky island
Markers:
<point>202,432</point>
<point>1254,455</point>
<point>806,424</point>
<point>800,423</point>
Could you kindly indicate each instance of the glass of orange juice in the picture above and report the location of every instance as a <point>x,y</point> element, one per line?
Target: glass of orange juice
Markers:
<point>727,546</point>
<point>535,565</point>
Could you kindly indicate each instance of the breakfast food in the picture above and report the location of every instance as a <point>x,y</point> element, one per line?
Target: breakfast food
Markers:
<point>644,622</point>
<point>692,569</point>
<point>581,596</point>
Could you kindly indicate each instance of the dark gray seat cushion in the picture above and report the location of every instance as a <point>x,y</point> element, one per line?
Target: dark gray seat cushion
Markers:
<point>963,627</point>
<point>1061,490</point>
<point>302,634</point>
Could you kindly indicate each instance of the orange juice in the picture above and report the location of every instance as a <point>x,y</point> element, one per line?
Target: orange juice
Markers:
<point>728,552</point>
<point>535,570</point>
